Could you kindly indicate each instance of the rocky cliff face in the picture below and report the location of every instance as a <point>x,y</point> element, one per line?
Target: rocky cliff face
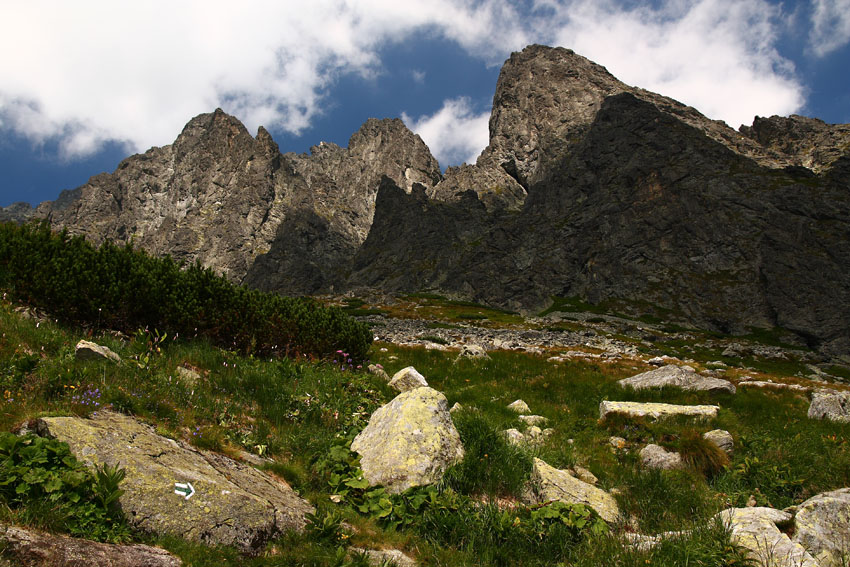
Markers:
<point>589,188</point>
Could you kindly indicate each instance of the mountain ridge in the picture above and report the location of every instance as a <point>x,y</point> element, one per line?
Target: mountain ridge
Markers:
<point>588,188</point>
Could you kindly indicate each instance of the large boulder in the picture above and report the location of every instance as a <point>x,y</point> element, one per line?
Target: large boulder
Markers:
<point>652,410</point>
<point>410,441</point>
<point>822,526</point>
<point>831,405</point>
<point>756,530</point>
<point>549,484</point>
<point>677,377</point>
<point>28,548</point>
<point>229,503</point>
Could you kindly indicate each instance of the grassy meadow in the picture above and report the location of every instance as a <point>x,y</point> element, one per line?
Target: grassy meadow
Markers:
<point>300,415</point>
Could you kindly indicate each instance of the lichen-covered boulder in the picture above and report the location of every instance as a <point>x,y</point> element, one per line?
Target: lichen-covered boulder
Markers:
<point>533,419</point>
<point>549,484</point>
<point>677,377</point>
<point>756,530</point>
<point>822,526</point>
<point>231,503</point>
<point>722,438</point>
<point>30,548</point>
<point>87,350</point>
<point>831,405</point>
<point>654,410</point>
<point>410,441</point>
<point>657,457</point>
<point>407,379</point>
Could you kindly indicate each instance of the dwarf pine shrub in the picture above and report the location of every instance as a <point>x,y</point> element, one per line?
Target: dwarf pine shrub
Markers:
<point>121,288</point>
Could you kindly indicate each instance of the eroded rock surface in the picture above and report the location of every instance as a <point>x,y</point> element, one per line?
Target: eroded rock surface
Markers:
<point>657,457</point>
<point>233,504</point>
<point>550,484</point>
<point>87,350</point>
<point>410,441</point>
<point>756,530</point>
<point>28,548</point>
<point>822,526</point>
<point>677,377</point>
<point>831,405</point>
<point>654,410</point>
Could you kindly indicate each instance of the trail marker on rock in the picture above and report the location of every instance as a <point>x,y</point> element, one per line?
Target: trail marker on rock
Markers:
<point>186,490</point>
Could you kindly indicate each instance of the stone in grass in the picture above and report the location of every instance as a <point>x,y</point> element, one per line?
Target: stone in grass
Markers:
<point>519,406</point>
<point>830,405</point>
<point>30,548</point>
<point>756,530</point>
<point>822,526</point>
<point>87,350</point>
<point>232,504</point>
<point>533,419</point>
<point>407,379</point>
<point>549,484</point>
<point>378,371</point>
<point>473,352</point>
<point>657,457</point>
<point>677,377</point>
<point>410,441</point>
<point>188,376</point>
<point>653,410</point>
<point>382,557</point>
<point>721,438</point>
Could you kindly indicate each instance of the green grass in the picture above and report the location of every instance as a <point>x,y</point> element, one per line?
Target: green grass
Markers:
<point>296,411</point>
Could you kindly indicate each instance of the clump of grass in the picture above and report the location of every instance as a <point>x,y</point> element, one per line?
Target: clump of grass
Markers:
<point>492,466</point>
<point>700,454</point>
<point>434,339</point>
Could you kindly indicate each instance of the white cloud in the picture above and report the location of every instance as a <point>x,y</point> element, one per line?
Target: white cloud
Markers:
<point>830,25</point>
<point>418,76</point>
<point>455,133</point>
<point>86,72</point>
<point>715,55</point>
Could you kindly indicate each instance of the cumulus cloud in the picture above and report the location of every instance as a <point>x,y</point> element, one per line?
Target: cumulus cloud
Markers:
<point>830,26</point>
<point>86,72</point>
<point>455,133</point>
<point>716,55</point>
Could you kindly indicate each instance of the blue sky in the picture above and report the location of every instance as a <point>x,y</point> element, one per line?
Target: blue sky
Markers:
<point>90,82</point>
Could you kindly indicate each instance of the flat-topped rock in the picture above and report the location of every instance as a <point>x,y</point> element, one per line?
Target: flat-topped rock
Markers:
<point>677,377</point>
<point>232,503</point>
<point>654,410</point>
<point>549,484</point>
<point>768,385</point>
<point>756,530</point>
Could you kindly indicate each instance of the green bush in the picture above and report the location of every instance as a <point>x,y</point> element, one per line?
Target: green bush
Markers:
<point>41,476</point>
<point>122,288</point>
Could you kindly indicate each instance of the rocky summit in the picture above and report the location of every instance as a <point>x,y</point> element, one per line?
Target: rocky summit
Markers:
<point>589,188</point>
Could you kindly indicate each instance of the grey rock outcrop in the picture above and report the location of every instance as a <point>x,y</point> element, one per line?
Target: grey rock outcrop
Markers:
<point>17,213</point>
<point>28,548</point>
<point>87,350</point>
<point>677,377</point>
<point>410,441</point>
<point>822,526</point>
<point>232,504</point>
<point>756,530</point>
<point>549,484</point>
<point>831,405</point>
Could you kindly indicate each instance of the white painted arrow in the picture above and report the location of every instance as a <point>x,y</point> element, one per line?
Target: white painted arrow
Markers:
<point>186,490</point>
